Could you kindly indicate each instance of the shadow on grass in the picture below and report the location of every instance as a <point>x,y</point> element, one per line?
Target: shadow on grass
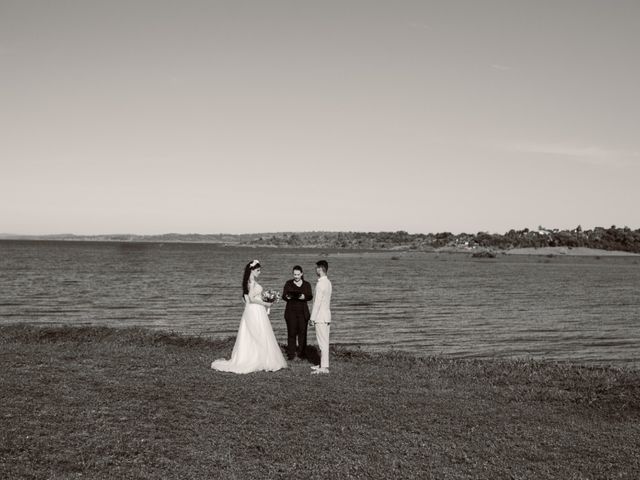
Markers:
<point>312,354</point>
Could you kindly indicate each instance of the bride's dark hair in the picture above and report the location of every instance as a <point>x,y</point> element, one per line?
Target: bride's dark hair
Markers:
<point>247,273</point>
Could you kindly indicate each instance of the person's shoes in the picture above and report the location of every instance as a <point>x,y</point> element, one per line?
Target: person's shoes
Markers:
<point>315,367</point>
<point>319,371</point>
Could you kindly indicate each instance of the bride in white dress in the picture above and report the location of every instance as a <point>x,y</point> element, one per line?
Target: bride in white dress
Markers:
<point>256,346</point>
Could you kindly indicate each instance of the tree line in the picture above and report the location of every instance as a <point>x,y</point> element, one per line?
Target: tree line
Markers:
<point>612,238</point>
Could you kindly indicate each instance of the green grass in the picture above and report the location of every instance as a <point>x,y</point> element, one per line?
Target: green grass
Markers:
<point>130,403</point>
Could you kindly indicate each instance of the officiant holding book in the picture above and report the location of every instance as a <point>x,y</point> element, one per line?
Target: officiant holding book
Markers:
<point>297,292</point>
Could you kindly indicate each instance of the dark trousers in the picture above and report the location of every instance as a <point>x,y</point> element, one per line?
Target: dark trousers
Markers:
<point>296,333</point>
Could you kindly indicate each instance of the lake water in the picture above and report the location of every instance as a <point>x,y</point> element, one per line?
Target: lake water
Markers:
<point>579,309</point>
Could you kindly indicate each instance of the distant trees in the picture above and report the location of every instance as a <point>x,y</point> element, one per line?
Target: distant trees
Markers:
<point>612,238</point>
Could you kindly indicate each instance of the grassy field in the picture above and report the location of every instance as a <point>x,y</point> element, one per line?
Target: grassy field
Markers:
<point>129,403</point>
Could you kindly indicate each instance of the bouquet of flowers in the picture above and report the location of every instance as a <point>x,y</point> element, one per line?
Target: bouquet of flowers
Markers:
<point>270,296</point>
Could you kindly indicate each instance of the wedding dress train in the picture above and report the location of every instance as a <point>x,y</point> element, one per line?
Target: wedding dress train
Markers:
<point>256,347</point>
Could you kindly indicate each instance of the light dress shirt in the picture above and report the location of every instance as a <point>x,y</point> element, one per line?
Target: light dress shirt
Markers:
<point>321,312</point>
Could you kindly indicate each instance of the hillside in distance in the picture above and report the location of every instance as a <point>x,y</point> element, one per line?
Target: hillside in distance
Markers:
<point>612,238</point>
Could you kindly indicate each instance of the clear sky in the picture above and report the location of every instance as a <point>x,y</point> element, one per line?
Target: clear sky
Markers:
<point>155,116</point>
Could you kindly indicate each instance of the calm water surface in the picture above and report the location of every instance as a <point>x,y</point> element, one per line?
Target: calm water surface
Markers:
<point>580,309</point>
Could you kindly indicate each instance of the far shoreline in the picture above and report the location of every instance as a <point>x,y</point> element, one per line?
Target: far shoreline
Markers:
<point>397,249</point>
<point>570,251</point>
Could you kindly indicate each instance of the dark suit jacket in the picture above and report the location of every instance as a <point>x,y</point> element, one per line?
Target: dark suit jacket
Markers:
<point>296,308</point>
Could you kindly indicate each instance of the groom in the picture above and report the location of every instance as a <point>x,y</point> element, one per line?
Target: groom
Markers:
<point>321,316</point>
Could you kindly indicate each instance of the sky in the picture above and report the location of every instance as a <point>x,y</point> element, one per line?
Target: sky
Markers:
<point>204,116</point>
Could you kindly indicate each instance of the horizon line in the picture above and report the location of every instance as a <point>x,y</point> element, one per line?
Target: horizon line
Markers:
<point>540,228</point>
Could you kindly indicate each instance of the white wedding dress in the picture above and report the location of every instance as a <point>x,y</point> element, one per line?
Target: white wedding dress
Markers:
<point>256,346</point>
